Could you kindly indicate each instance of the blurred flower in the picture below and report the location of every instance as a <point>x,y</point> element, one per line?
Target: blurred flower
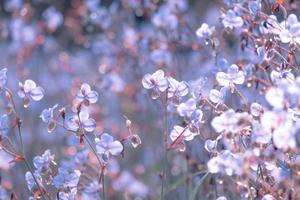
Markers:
<point>53,18</point>
<point>30,90</point>
<point>205,31</point>
<point>217,96</point>
<point>66,179</point>
<point>179,131</point>
<point>177,89</point>
<point>41,163</point>
<point>3,77</point>
<point>31,181</point>
<point>256,109</point>
<point>127,183</point>
<point>231,20</point>
<point>70,195</point>
<point>226,162</point>
<point>233,76</point>
<point>290,32</point>
<point>230,121</point>
<point>4,126</point>
<point>275,97</point>
<point>187,108</point>
<point>48,117</point>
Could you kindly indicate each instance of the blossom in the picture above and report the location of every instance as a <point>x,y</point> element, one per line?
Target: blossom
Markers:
<point>86,95</point>
<point>4,126</point>
<point>205,31</point>
<point>108,146</point>
<point>155,81</point>
<point>65,179</point>
<point>256,109</point>
<point>233,76</point>
<point>275,97</point>
<point>230,121</point>
<point>31,181</point>
<point>290,32</point>
<point>3,77</point>
<point>231,20</point>
<point>217,96</point>
<point>41,163</point>
<point>30,90</point>
<point>177,89</point>
<point>179,131</point>
<point>70,195</point>
<point>81,121</point>
<point>48,117</point>
<point>187,108</point>
<point>226,162</point>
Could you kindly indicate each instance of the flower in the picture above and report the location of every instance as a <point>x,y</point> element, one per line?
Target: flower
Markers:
<point>177,89</point>
<point>226,162</point>
<point>30,90</point>
<point>217,96</point>
<point>256,109</point>
<point>70,195</point>
<point>3,77</point>
<point>86,95</point>
<point>48,117</point>
<point>65,179</point>
<point>31,181</point>
<point>41,163</point>
<point>179,131</point>
<point>155,81</point>
<point>231,121</point>
<point>233,76</point>
<point>107,146</point>
<point>187,108</point>
<point>81,121</point>
<point>231,20</point>
<point>275,97</point>
<point>4,127</point>
<point>205,31</point>
<point>290,32</point>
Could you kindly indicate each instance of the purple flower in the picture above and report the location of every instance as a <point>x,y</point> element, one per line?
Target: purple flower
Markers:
<point>86,95</point>
<point>231,20</point>
<point>48,117</point>
<point>29,90</point>
<point>108,146</point>
<point>65,179</point>
<point>155,81</point>
<point>81,121</point>
<point>233,76</point>
<point>41,163</point>
<point>205,31</point>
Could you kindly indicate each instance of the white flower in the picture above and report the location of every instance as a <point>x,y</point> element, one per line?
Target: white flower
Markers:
<point>155,81</point>
<point>85,94</point>
<point>184,132</point>
<point>3,77</point>
<point>76,122</point>
<point>187,108</point>
<point>290,32</point>
<point>107,145</point>
<point>177,89</point>
<point>231,20</point>
<point>256,109</point>
<point>205,31</point>
<point>231,121</point>
<point>233,76</point>
<point>217,96</point>
<point>275,97</point>
<point>30,90</point>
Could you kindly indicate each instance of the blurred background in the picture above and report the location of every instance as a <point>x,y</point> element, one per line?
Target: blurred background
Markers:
<point>110,45</point>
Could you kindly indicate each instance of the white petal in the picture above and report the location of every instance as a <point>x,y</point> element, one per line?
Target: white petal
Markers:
<point>115,148</point>
<point>37,93</point>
